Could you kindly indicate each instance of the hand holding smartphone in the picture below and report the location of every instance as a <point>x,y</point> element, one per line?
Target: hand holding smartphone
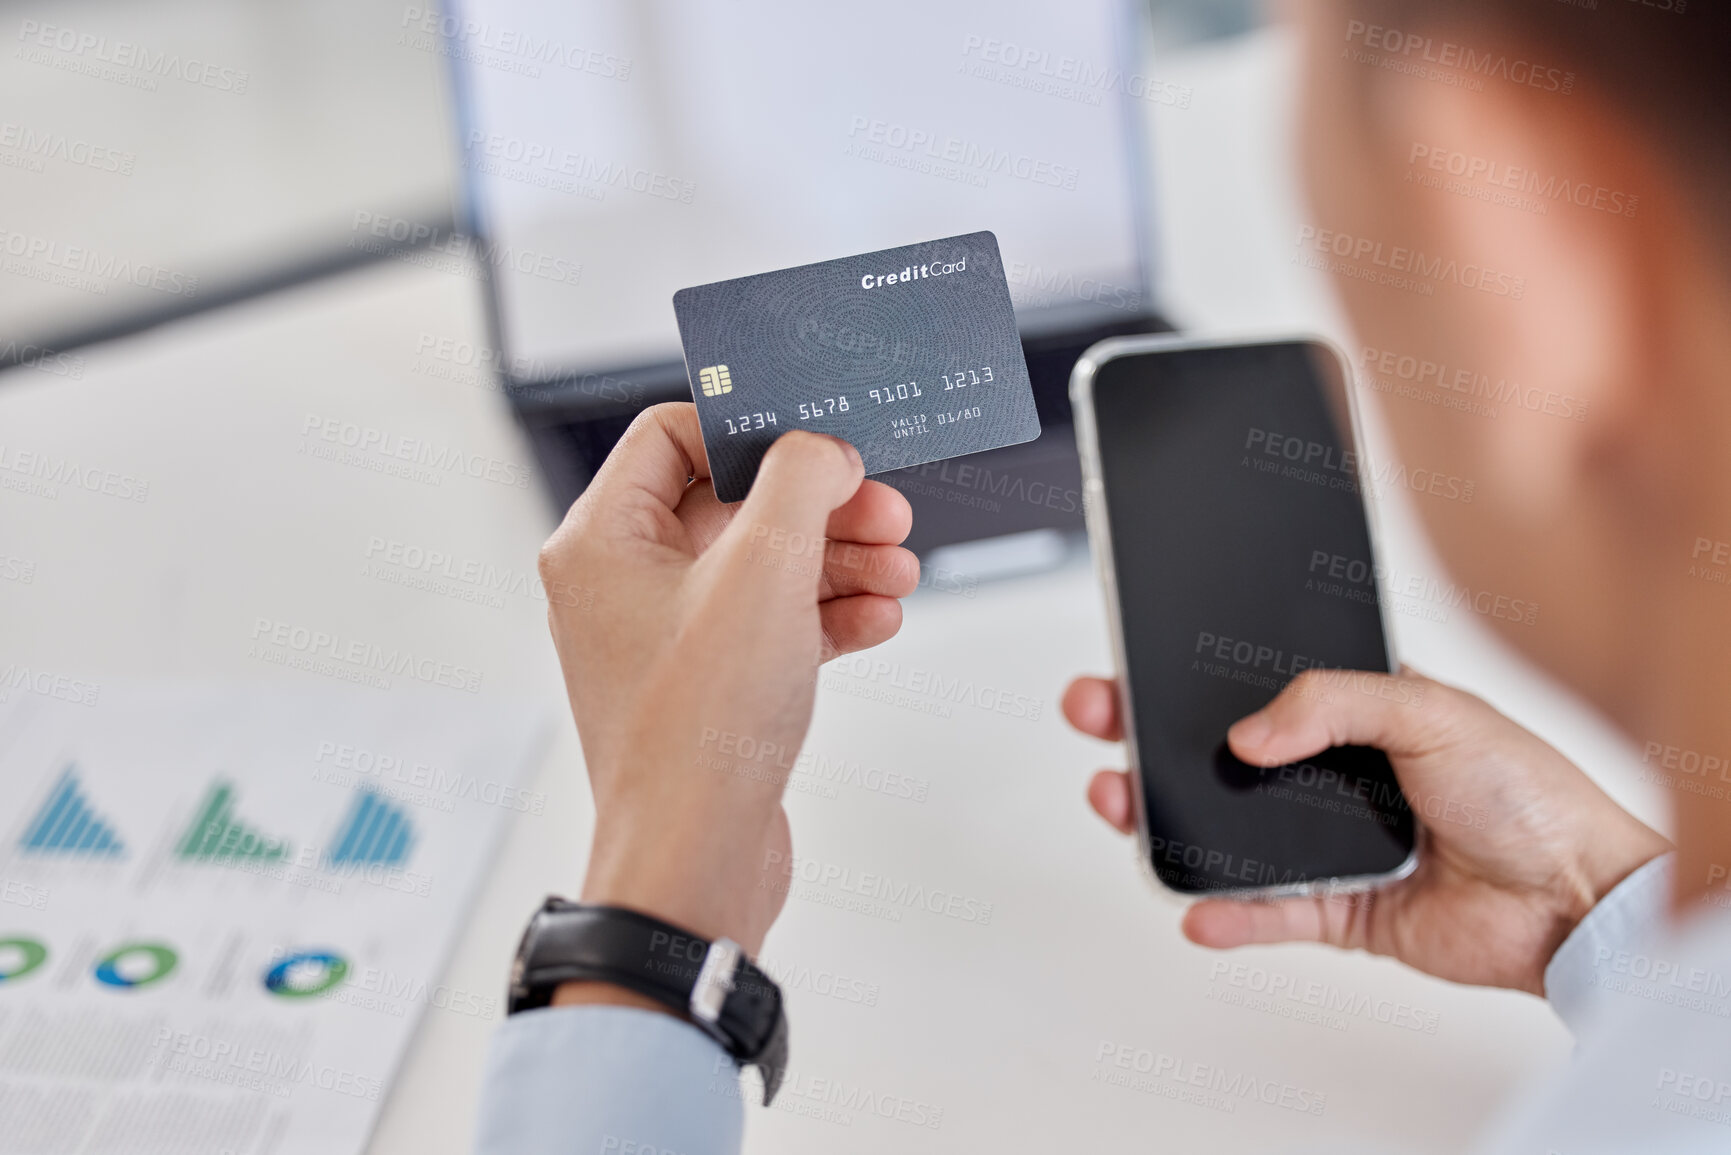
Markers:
<point>1226,505</point>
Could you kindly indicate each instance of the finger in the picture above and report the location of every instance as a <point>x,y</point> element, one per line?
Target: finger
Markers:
<point>1110,796</point>
<point>877,515</point>
<point>849,568</point>
<point>632,497</point>
<point>1338,920</point>
<point>1323,708</point>
<point>660,452</point>
<point>803,479</point>
<point>857,623</point>
<point>1091,705</point>
<point>703,514</point>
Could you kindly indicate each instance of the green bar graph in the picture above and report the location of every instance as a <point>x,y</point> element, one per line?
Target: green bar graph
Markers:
<point>217,835</point>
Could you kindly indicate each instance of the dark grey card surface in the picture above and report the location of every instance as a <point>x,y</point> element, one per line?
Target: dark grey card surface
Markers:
<point>911,354</point>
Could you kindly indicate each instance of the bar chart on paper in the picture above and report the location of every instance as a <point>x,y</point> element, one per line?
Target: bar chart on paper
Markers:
<point>66,824</point>
<point>214,939</point>
<point>218,835</point>
<point>375,831</point>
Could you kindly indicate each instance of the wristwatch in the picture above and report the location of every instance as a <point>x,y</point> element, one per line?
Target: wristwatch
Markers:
<point>712,984</point>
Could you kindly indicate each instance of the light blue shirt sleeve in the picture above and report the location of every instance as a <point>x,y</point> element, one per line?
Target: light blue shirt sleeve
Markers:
<point>1623,920</point>
<point>607,1081</point>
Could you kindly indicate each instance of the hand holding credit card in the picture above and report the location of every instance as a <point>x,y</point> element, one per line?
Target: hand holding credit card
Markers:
<point>911,354</point>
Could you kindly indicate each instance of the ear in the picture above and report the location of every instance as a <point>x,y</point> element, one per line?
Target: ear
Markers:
<point>1551,192</point>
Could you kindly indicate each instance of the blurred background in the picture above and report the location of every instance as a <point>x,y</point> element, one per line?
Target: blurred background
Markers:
<point>315,317</point>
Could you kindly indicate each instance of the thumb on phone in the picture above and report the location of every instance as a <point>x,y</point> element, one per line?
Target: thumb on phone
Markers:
<point>1323,708</point>
<point>1318,709</point>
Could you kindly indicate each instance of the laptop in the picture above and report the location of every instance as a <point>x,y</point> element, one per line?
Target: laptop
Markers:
<point>616,151</point>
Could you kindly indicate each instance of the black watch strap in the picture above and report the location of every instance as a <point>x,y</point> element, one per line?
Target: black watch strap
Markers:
<point>713,984</point>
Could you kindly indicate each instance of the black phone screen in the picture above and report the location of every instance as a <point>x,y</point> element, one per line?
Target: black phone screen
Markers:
<point>1242,556</point>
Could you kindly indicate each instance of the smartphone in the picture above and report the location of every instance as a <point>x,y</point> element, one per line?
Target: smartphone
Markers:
<point>1226,505</point>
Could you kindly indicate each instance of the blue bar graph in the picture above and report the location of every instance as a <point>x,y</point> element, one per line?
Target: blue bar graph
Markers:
<point>374,831</point>
<point>66,824</point>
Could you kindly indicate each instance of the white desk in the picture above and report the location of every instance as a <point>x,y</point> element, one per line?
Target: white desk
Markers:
<point>1000,1025</point>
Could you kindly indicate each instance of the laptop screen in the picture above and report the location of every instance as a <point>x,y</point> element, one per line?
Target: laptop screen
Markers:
<point>619,150</point>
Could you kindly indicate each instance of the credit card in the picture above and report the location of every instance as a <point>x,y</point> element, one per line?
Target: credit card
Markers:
<point>911,354</point>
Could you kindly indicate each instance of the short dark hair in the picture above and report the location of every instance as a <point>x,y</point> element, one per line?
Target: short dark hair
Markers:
<point>1663,61</point>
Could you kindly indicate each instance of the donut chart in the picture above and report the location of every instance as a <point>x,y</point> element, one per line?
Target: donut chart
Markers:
<point>305,974</point>
<point>136,964</point>
<point>20,956</point>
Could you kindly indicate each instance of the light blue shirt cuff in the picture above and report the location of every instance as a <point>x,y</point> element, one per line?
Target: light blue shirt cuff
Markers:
<point>607,1081</point>
<point>1622,921</point>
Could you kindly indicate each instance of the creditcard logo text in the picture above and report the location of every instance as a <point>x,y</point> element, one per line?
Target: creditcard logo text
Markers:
<point>914,273</point>
<point>715,380</point>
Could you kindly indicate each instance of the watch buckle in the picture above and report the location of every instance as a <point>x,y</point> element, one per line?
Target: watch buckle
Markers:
<point>714,980</point>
